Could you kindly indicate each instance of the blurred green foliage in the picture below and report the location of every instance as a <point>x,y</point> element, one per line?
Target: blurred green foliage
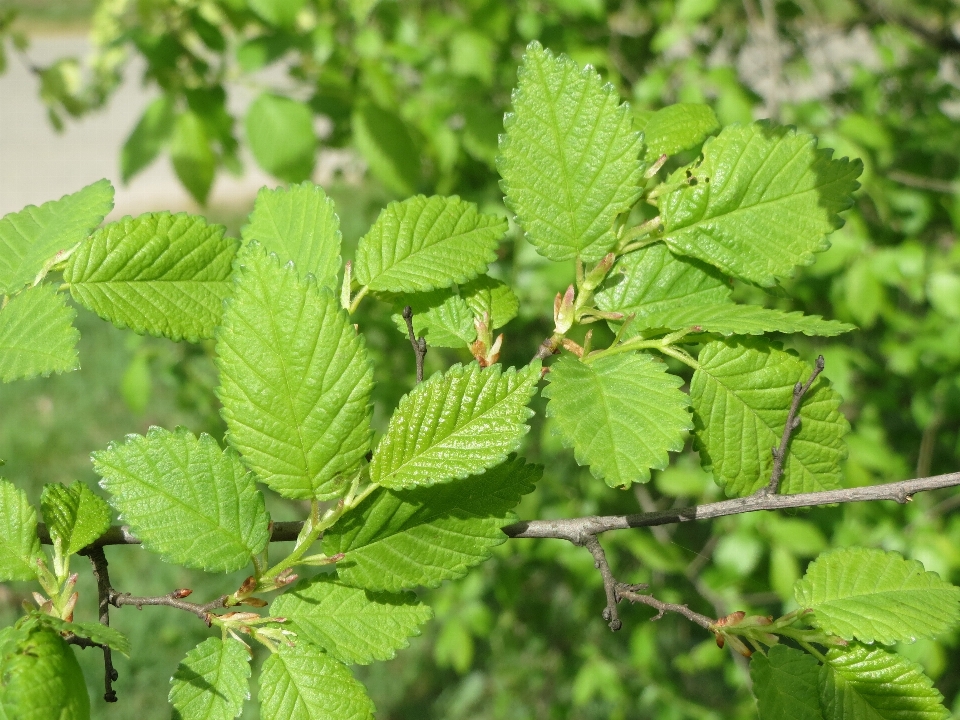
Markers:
<point>418,88</point>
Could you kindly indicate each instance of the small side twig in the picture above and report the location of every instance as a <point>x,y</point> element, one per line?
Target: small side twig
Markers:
<point>174,600</point>
<point>101,574</point>
<point>630,592</point>
<point>609,582</point>
<point>793,422</point>
<point>419,344</point>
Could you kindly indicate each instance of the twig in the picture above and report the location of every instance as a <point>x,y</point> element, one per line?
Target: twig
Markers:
<point>101,574</point>
<point>609,582</point>
<point>923,183</point>
<point>793,422</point>
<point>419,344</point>
<point>174,600</point>
<point>629,592</point>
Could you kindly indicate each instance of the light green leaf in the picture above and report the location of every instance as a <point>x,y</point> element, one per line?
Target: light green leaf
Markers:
<point>741,396</point>
<point>191,155</point>
<point>761,201</point>
<point>281,136</point>
<point>185,499</point>
<point>33,236</point>
<point>401,539</point>
<point>353,625</point>
<point>455,424</point>
<point>42,680</point>
<point>304,683</point>
<point>103,634</point>
<point>295,381</point>
<point>857,683</point>
<point>36,334</point>
<point>423,244</point>
<point>75,517</point>
<point>19,545</point>
<point>484,294</point>
<point>621,414</point>
<point>385,143</point>
<point>148,138</point>
<point>162,274</point>
<point>441,317</point>
<point>731,319</point>
<point>281,13</point>
<point>299,223</point>
<point>211,682</point>
<point>785,684</point>
<point>569,157</point>
<point>876,596</point>
<point>678,127</point>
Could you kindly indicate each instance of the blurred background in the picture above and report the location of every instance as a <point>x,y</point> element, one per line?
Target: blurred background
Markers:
<point>191,105</point>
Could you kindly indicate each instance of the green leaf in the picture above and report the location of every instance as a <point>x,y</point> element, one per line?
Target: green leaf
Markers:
<point>295,380</point>
<point>569,157</point>
<point>94,631</point>
<point>741,395</point>
<point>485,294</point>
<point>185,499</point>
<point>19,545</point>
<point>441,317</point>
<point>876,596</point>
<point>149,137</point>
<point>158,273</point>
<point>401,539</point>
<point>731,319</point>
<point>353,625</point>
<point>423,244</point>
<point>304,683</point>
<point>785,684</point>
<point>281,13</point>
<point>857,683</point>
<point>192,157</point>
<point>281,136</point>
<point>36,334</point>
<point>211,682</point>
<point>385,143</point>
<point>678,127</point>
<point>33,236</point>
<point>75,517</point>
<point>761,201</point>
<point>621,414</point>
<point>455,424</point>
<point>42,680</point>
<point>299,223</point>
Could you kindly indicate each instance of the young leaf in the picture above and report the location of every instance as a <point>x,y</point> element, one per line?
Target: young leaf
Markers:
<point>298,223</point>
<point>621,414</point>
<point>36,334</point>
<point>103,634</point>
<point>162,274</point>
<point>731,319</point>
<point>152,132</point>
<point>185,499</point>
<point>353,625</point>
<point>75,517</point>
<point>191,155</point>
<point>484,294</point>
<point>281,136</point>
<point>876,596</point>
<point>569,157</point>
<point>455,424</point>
<point>741,394</point>
<point>304,683</point>
<point>385,143</point>
<point>857,683</point>
<point>761,201</point>
<point>785,684</point>
<point>401,539</point>
<point>678,127</point>
<point>19,545</point>
<point>42,679</point>
<point>212,681</point>
<point>295,380</point>
<point>31,237</point>
<point>441,317</point>
<point>423,244</point>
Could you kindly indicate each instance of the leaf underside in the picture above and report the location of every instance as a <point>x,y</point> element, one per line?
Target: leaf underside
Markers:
<point>37,336</point>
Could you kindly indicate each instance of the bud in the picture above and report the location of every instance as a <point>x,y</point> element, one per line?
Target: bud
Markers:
<point>181,593</point>
<point>596,276</point>
<point>563,311</point>
<point>253,602</point>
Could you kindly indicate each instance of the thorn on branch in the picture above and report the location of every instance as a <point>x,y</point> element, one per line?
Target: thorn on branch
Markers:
<point>793,422</point>
<point>419,344</point>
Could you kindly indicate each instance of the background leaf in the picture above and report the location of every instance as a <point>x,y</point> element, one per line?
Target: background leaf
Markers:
<point>621,414</point>
<point>151,134</point>
<point>401,539</point>
<point>785,684</point>
<point>75,517</point>
<point>441,317</point>
<point>19,545</point>
<point>678,127</point>
<point>569,157</point>
<point>191,155</point>
<point>353,625</point>
<point>295,381</point>
<point>36,334</point>
<point>185,499</point>
<point>211,682</point>
<point>103,634</point>
<point>737,319</point>
<point>455,424</point>
<point>281,136</point>
<point>384,141</point>
<point>876,596</point>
